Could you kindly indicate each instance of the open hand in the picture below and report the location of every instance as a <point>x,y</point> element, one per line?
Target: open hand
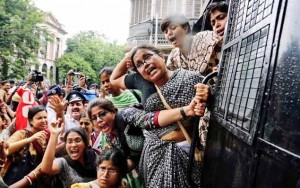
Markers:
<point>56,127</point>
<point>57,104</point>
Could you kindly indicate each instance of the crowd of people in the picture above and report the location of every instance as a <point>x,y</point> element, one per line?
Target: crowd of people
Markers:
<point>134,131</point>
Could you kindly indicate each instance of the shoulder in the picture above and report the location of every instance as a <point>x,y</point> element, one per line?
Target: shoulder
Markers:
<point>187,73</point>
<point>206,37</point>
<point>18,135</point>
<point>83,185</point>
<point>60,161</point>
<point>174,52</point>
<point>188,76</point>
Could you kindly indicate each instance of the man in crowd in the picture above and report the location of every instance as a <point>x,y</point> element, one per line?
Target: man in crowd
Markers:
<point>76,105</point>
<point>5,87</point>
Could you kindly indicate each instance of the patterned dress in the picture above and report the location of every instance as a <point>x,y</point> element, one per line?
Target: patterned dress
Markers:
<point>163,163</point>
<point>203,57</point>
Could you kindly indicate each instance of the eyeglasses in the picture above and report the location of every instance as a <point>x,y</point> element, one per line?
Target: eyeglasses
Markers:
<point>103,170</point>
<point>100,115</point>
<point>147,58</point>
<point>85,123</point>
<point>76,141</point>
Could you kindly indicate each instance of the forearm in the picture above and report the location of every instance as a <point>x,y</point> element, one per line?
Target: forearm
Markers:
<point>150,120</point>
<point>44,98</point>
<point>47,162</point>
<point>130,165</point>
<point>10,112</point>
<point>17,146</point>
<point>119,72</point>
<point>166,117</point>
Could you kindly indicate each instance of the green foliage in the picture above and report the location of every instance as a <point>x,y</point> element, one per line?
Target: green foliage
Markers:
<point>20,33</point>
<point>90,52</point>
<point>74,61</point>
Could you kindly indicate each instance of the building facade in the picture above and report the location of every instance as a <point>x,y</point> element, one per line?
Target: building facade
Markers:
<point>51,50</point>
<point>146,16</point>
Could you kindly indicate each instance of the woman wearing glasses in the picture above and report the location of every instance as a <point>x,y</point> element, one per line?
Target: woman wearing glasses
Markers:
<point>112,167</point>
<point>164,158</point>
<point>79,163</point>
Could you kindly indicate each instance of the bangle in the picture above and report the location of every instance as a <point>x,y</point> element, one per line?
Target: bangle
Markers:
<point>30,182</point>
<point>33,172</point>
<point>156,124</point>
<point>184,116</point>
<point>3,160</point>
<point>1,166</point>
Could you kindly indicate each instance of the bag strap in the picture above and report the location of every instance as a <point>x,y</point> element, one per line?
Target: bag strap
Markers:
<point>135,94</point>
<point>167,106</point>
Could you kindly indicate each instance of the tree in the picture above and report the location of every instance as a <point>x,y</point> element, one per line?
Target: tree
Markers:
<point>94,49</point>
<point>20,33</point>
<point>74,61</point>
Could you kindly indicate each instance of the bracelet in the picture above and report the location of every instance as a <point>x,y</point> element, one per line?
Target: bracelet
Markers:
<point>1,166</point>
<point>3,160</point>
<point>184,116</point>
<point>33,172</point>
<point>30,182</point>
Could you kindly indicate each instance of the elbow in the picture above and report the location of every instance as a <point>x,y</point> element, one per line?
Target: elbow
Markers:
<point>47,169</point>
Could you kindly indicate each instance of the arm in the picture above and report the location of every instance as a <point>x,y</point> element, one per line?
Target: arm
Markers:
<point>18,145</point>
<point>11,95</point>
<point>48,164</point>
<point>150,120</point>
<point>117,77</point>
<point>59,106</point>
<point>44,99</point>
<point>28,179</point>
<point>6,110</point>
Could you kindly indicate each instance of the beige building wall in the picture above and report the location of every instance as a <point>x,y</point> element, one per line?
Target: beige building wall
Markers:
<point>53,49</point>
<point>144,14</point>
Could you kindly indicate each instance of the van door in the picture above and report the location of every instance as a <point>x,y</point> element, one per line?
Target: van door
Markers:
<point>250,141</point>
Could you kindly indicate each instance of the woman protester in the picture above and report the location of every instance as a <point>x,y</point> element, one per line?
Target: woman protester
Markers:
<point>79,163</point>
<point>200,53</point>
<point>86,124</point>
<point>27,146</point>
<point>119,129</point>
<point>111,168</point>
<point>178,89</point>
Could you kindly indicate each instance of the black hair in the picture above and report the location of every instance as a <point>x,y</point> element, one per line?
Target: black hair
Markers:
<point>107,70</point>
<point>221,6</point>
<point>118,159</point>
<point>175,19</point>
<point>103,103</point>
<point>79,131</point>
<point>34,110</point>
<point>11,81</point>
<point>83,115</point>
<point>4,82</point>
<point>143,46</point>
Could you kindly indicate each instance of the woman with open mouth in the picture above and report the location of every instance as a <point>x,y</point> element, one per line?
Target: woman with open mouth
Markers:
<point>79,163</point>
<point>164,157</point>
<point>200,53</point>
